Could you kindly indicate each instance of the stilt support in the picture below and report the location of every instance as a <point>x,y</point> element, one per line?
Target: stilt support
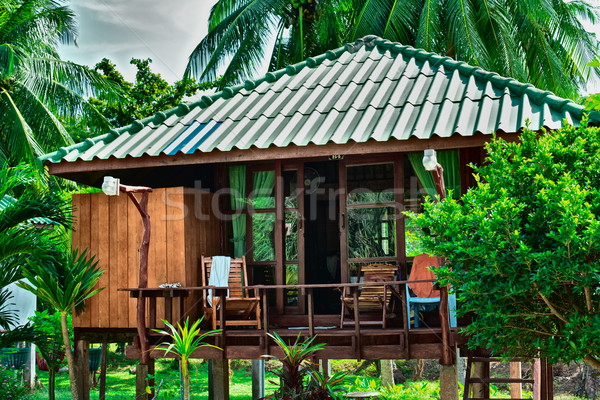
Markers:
<point>141,381</point>
<point>448,382</point>
<point>82,359</point>
<point>218,380</point>
<point>258,379</point>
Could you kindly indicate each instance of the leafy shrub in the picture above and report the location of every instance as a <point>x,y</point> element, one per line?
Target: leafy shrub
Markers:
<point>11,384</point>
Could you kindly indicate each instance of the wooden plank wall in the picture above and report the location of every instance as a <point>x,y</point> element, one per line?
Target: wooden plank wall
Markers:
<point>182,229</point>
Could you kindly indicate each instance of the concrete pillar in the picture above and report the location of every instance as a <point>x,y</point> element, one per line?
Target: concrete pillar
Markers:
<point>218,380</point>
<point>325,367</point>
<point>448,382</point>
<point>387,373</point>
<point>461,367</point>
<point>258,379</point>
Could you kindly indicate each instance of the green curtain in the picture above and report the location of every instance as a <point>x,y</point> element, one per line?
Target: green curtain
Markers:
<point>237,183</point>
<point>262,189</point>
<point>449,160</point>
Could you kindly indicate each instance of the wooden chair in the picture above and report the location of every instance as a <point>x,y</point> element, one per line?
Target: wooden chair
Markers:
<point>373,299</point>
<point>242,307</point>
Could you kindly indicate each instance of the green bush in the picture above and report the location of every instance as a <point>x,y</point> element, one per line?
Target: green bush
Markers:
<point>11,384</point>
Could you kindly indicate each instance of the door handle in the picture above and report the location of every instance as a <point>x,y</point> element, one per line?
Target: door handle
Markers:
<point>343,220</point>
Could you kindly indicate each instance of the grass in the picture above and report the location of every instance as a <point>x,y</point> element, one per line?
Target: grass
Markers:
<point>121,381</point>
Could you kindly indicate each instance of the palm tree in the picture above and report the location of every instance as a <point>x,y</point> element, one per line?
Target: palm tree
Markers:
<point>24,203</point>
<point>37,88</point>
<point>241,33</point>
<point>64,282</point>
<point>538,41</point>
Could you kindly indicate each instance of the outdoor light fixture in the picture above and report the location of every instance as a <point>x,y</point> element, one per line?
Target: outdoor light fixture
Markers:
<point>429,160</point>
<point>110,187</point>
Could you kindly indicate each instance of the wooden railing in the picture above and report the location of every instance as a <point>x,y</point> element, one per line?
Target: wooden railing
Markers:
<point>174,308</point>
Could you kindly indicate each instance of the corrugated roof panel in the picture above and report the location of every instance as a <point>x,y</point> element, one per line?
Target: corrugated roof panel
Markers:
<point>438,87</point>
<point>419,90</point>
<point>426,120</point>
<point>397,68</point>
<point>402,91</point>
<point>289,131</point>
<point>310,127</point>
<point>456,87</point>
<point>272,129</point>
<point>467,117</point>
<point>385,126</point>
<point>344,129</point>
<point>487,115</point>
<point>310,102</point>
<point>326,130</point>
<point>206,131</point>
<point>446,123</point>
<point>164,136</point>
<point>346,99</point>
<point>406,122</point>
<point>363,130</point>
<point>382,96</point>
<point>381,69</point>
<point>376,90</point>
<point>253,131</point>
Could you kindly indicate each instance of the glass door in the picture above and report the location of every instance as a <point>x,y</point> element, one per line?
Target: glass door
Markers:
<point>371,219</point>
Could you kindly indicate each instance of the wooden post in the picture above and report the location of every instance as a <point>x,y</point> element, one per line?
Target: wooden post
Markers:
<point>356,323</point>
<point>478,371</point>
<point>258,379</point>
<point>447,358</point>
<point>537,378</point>
<point>311,322</point>
<point>141,373</point>
<point>515,373</point>
<point>102,389</point>
<point>82,359</point>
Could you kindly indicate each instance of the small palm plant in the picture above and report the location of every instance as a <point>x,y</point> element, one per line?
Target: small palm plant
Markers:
<point>64,283</point>
<point>185,340</point>
<point>299,378</point>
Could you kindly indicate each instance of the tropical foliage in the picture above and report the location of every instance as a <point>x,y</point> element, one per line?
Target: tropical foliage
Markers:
<point>523,246</point>
<point>240,32</point>
<point>185,340</point>
<point>64,282</point>
<point>36,86</point>
<point>542,42</point>
<point>23,199</point>
<point>299,377</point>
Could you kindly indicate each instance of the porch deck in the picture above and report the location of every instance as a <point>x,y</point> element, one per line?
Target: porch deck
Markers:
<point>360,340</point>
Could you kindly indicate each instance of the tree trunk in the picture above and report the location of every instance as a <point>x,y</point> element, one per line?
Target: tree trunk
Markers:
<point>186,379</point>
<point>70,359</point>
<point>51,381</point>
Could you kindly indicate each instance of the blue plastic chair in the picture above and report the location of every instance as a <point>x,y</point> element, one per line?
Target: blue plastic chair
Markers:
<point>414,304</point>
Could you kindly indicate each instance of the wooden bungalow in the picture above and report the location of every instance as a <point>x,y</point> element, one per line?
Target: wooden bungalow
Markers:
<point>306,172</point>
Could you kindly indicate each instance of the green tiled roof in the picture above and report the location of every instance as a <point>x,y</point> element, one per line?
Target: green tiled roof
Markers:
<point>372,89</point>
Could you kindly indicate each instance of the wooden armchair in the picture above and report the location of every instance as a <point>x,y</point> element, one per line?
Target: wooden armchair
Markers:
<point>373,299</point>
<point>242,307</point>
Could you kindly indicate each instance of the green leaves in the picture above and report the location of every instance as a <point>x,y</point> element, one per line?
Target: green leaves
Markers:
<point>36,86</point>
<point>523,246</point>
<point>65,281</point>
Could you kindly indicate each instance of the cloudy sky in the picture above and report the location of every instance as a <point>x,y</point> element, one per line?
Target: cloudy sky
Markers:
<point>165,31</point>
